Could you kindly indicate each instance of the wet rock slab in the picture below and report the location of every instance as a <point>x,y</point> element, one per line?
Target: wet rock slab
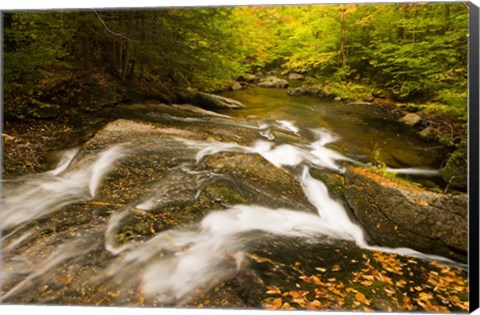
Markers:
<point>158,186</point>
<point>290,274</point>
<point>399,215</point>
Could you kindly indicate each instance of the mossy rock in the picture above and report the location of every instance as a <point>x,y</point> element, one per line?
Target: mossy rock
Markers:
<point>455,171</point>
<point>397,214</point>
<point>334,182</point>
<point>264,183</point>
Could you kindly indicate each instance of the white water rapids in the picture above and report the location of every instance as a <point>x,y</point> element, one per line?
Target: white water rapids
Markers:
<point>45,193</point>
<point>174,263</point>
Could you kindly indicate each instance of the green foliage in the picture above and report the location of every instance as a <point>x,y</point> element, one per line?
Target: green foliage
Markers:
<point>414,51</point>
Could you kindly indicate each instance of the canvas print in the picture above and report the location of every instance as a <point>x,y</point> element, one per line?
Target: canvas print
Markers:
<point>249,157</point>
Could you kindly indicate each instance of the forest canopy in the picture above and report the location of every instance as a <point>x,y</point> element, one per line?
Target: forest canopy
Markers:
<point>410,51</point>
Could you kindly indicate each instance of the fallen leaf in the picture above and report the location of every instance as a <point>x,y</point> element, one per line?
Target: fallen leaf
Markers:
<point>362,298</point>
<point>335,291</point>
<point>424,296</point>
<point>421,202</point>
<point>300,301</point>
<point>297,294</point>
<point>276,303</point>
<point>314,304</point>
<point>273,290</point>
<point>287,306</point>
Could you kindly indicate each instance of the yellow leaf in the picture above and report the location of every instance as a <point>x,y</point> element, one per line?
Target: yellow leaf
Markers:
<point>287,306</point>
<point>401,283</point>
<point>273,290</point>
<point>335,291</point>
<point>406,303</point>
<point>317,280</point>
<point>362,298</point>
<point>366,282</point>
<point>297,294</point>
<point>389,292</point>
<point>300,301</point>
<point>424,296</point>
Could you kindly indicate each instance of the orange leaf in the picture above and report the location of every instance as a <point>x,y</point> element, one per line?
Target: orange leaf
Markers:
<point>314,304</point>
<point>362,298</point>
<point>297,294</point>
<point>300,301</point>
<point>276,303</point>
<point>287,306</point>
<point>273,290</point>
<point>424,296</point>
<point>335,291</point>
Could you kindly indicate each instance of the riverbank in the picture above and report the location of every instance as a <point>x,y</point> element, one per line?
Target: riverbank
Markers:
<point>28,142</point>
<point>272,258</point>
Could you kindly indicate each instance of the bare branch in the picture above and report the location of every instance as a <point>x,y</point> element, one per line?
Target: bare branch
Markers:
<point>107,29</point>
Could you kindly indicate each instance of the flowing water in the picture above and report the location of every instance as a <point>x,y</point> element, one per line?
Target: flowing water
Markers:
<point>362,131</point>
<point>65,224</point>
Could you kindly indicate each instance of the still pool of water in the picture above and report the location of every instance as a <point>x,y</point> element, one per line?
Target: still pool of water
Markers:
<point>364,132</point>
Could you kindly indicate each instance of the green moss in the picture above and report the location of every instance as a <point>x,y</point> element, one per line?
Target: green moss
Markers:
<point>455,171</point>
<point>334,182</point>
<point>395,178</point>
<point>225,194</point>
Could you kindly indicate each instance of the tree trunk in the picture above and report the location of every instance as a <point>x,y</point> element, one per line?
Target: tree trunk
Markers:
<point>414,33</point>
<point>125,60</point>
<point>343,31</point>
<point>8,40</point>
<point>446,25</point>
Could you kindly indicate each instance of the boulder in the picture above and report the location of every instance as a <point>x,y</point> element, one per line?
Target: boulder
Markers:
<point>296,91</point>
<point>273,82</point>
<point>198,110</point>
<point>411,119</point>
<point>207,100</point>
<point>455,171</point>
<point>213,101</point>
<point>247,77</point>
<point>306,90</point>
<point>236,86</point>
<point>337,99</point>
<point>296,76</point>
<point>396,214</point>
<point>361,103</point>
<point>428,133</point>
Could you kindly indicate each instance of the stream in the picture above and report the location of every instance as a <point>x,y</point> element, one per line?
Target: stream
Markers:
<point>165,206</point>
